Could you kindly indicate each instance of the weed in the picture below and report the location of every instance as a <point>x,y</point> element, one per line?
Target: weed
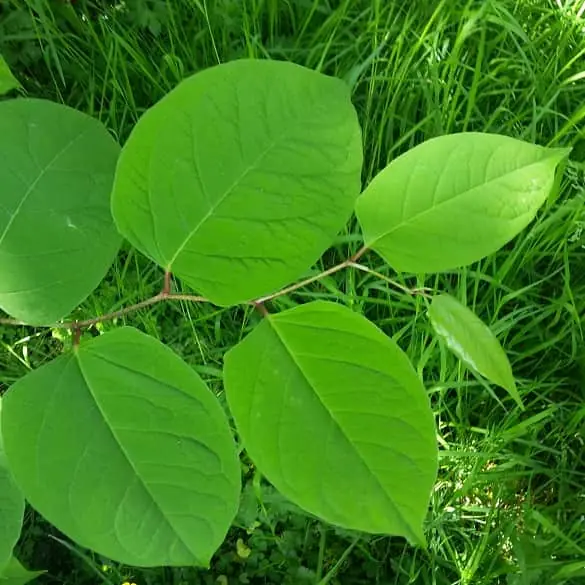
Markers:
<point>508,507</point>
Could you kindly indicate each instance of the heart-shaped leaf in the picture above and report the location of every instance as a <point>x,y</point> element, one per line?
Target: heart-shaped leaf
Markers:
<point>137,452</point>
<point>331,410</point>
<point>455,199</point>
<point>57,236</point>
<point>11,509</point>
<point>473,342</point>
<point>239,179</point>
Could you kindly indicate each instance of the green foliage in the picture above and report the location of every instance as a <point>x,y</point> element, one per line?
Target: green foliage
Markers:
<point>168,486</point>
<point>7,80</point>
<point>472,341</point>
<point>455,199</point>
<point>11,509</point>
<point>56,176</point>
<point>237,183</point>
<point>333,413</point>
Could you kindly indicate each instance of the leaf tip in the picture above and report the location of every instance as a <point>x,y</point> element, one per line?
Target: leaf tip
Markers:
<point>512,389</point>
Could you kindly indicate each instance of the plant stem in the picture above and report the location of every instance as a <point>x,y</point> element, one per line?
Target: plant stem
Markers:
<point>411,291</point>
<point>75,325</point>
<point>167,295</point>
<point>76,336</point>
<point>166,290</point>
<point>349,262</point>
<point>301,284</point>
<point>333,572</point>
<point>261,309</point>
<point>321,555</point>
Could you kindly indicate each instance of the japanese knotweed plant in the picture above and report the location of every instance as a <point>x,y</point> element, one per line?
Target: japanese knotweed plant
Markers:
<point>236,183</point>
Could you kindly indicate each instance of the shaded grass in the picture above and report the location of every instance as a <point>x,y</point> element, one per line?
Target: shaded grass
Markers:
<point>508,506</point>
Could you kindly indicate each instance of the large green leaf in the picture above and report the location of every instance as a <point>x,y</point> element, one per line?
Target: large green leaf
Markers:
<point>455,199</point>
<point>15,574</point>
<point>239,179</point>
<point>11,509</point>
<point>331,410</point>
<point>472,341</point>
<point>57,236</point>
<point>135,449</point>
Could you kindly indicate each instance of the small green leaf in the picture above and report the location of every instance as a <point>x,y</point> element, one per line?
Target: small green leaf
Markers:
<point>15,574</point>
<point>57,236</point>
<point>11,508</point>
<point>473,342</point>
<point>137,451</point>
<point>332,412</point>
<point>7,80</point>
<point>240,178</point>
<point>455,199</point>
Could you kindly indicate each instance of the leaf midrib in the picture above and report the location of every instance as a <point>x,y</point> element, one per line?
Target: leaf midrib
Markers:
<point>33,185</point>
<point>416,217</point>
<point>399,515</point>
<point>251,167</point>
<point>127,457</point>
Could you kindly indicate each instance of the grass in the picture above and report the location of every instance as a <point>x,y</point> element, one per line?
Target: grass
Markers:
<point>509,505</point>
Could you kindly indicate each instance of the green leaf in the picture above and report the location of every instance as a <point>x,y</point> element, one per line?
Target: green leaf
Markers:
<point>473,342</point>
<point>57,236</point>
<point>11,509</point>
<point>332,412</point>
<point>239,179</point>
<point>7,81</point>
<point>137,451</point>
<point>16,574</point>
<point>455,199</point>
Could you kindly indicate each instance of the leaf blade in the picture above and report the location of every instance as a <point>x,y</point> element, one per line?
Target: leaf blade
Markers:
<point>15,574</point>
<point>11,508</point>
<point>312,416</point>
<point>455,199</point>
<point>473,342</point>
<point>143,467</point>
<point>252,189</point>
<point>57,236</point>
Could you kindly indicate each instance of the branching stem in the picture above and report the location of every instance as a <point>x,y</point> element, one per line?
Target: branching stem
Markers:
<point>78,325</point>
<point>259,304</point>
<point>349,262</point>
<point>411,291</point>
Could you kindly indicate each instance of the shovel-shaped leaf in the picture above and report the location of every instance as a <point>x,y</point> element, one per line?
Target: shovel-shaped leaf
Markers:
<point>57,235</point>
<point>125,450</point>
<point>240,178</point>
<point>473,342</point>
<point>332,412</point>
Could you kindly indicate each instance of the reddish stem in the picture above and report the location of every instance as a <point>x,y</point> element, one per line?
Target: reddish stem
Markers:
<point>259,306</point>
<point>166,290</point>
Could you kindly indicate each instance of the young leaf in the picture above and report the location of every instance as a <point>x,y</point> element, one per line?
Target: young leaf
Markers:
<point>332,412</point>
<point>57,236</point>
<point>455,199</point>
<point>7,80</point>
<point>11,509</point>
<point>472,342</point>
<point>15,574</point>
<point>137,452</point>
<point>239,179</point>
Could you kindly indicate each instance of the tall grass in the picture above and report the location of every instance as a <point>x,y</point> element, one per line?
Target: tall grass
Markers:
<point>509,506</point>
